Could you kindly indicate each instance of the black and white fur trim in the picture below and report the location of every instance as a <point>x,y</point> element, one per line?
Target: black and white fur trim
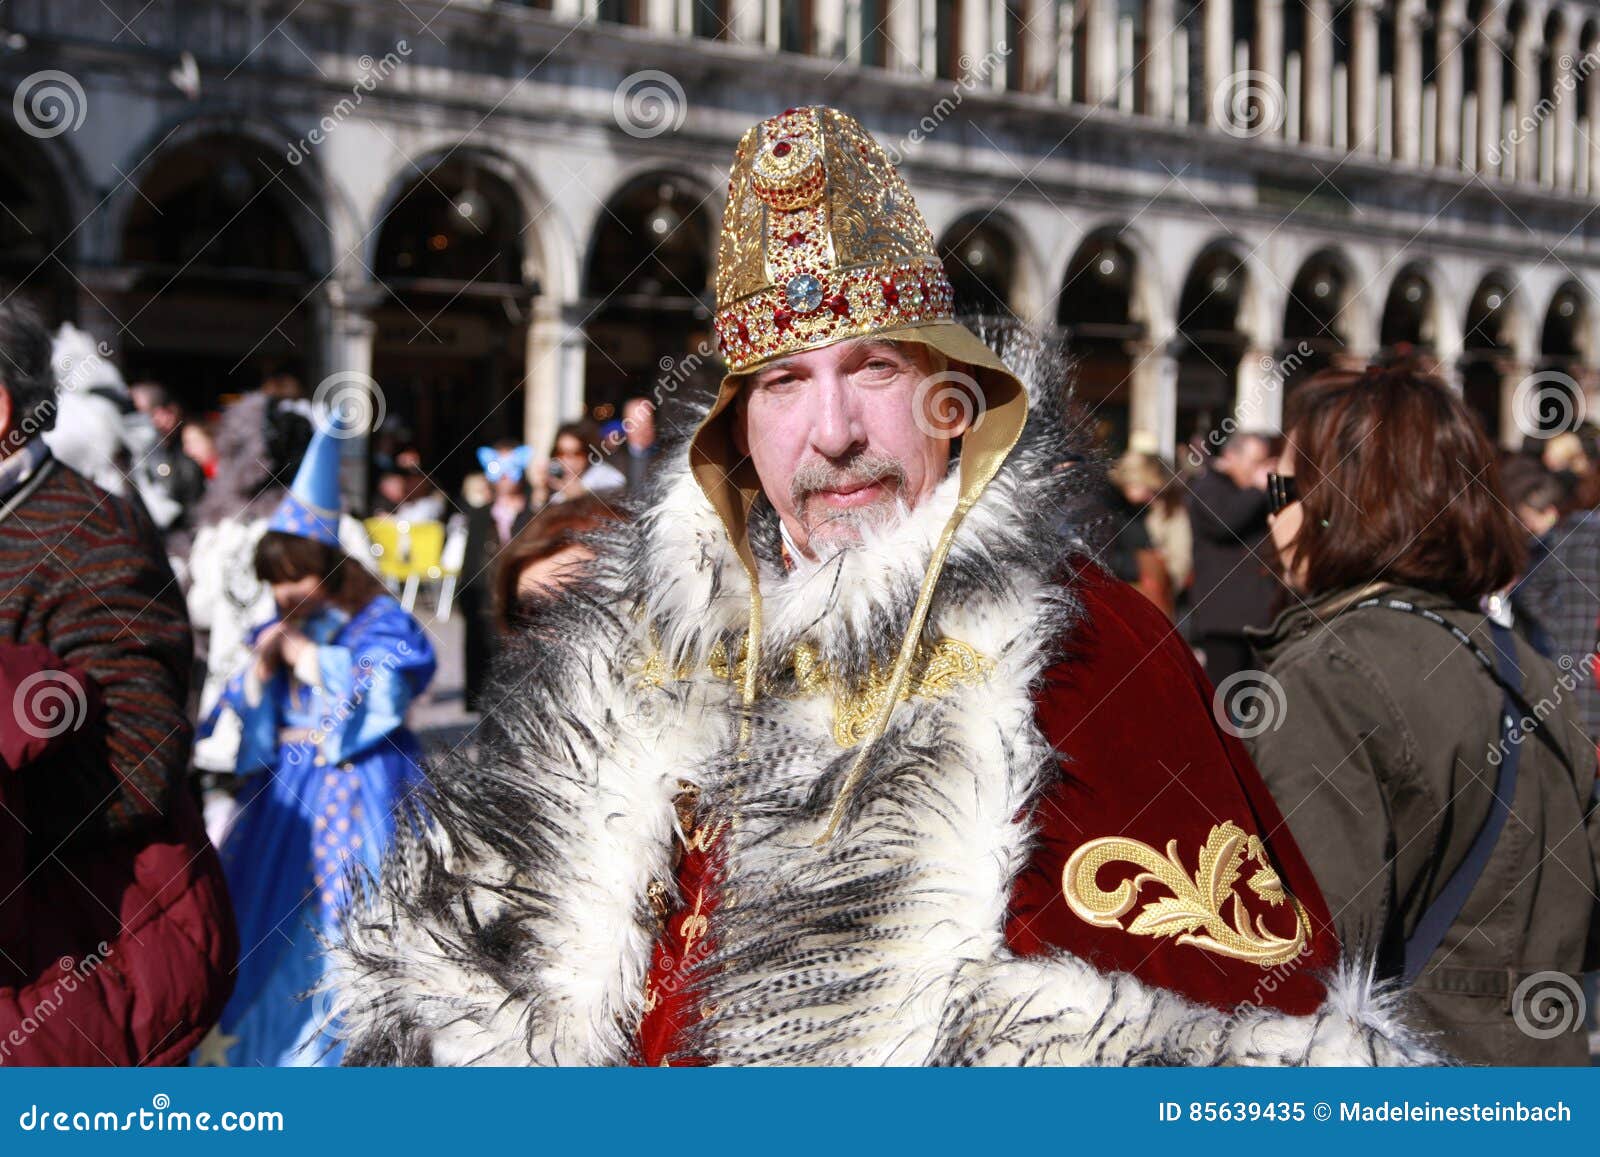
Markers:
<point>511,924</point>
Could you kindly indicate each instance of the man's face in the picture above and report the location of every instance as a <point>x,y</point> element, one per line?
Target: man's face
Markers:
<point>1247,459</point>
<point>639,421</point>
<point>836,441</point>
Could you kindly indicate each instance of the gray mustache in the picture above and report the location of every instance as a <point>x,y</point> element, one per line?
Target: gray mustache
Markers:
<point>865,468</point>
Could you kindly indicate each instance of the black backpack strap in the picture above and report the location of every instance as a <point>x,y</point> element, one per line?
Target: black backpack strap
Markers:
<point>1447,906</point>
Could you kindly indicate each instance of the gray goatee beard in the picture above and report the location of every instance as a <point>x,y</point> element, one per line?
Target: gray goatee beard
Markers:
<point>828,537</point>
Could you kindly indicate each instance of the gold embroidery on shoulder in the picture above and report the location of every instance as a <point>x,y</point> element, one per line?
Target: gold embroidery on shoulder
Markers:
<point>938,670</point>
<point>1206,910</point>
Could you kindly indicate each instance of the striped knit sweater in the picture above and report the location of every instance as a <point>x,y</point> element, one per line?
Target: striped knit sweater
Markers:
<point>83,574</point>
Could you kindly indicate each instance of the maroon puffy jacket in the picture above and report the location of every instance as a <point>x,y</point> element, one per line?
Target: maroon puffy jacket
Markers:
<point>117,944</point>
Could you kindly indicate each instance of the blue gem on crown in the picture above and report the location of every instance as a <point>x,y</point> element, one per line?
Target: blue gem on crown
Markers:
<point>804,293</point>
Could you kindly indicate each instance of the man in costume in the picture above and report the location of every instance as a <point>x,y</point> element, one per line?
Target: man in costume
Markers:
<point>844,753</point>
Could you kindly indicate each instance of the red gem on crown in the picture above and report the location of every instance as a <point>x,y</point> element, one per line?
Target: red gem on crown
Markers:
<point>782,318</point>
<point>891,292</point>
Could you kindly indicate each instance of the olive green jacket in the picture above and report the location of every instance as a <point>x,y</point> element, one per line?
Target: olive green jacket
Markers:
<point>1383,757</point>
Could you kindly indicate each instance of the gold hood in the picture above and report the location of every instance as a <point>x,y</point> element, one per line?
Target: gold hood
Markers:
<point>821,242</point>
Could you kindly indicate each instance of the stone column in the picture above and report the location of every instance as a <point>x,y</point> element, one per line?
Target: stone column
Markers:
<point>1566,111</point>
<point>350,338</point>
<point>1153,394</point>
<point>1038,46</point>
<point>1364,76</point>
<point>1219,58</point>
<point>999,63</point>
<point>1258,397</point>
<point>1408,81</point>
<point>1593,141</point>
<point>1158,35</point>
<point>972,39</point>
<point>744,22</point>
<point>661,16</point>
<point>1490,96</point>
<point>771,24</point>
<point>902,53</point>
<point>554,374</point>
<point>543,373</point>
<point>1447,78</point>
<point>1317,106</point>
<point>828,29</point>
<point>1101,29</point>
<point>1524,50</point>
<point>1267,52</point>
<point>1512,374</point>
<point>1065,38</point>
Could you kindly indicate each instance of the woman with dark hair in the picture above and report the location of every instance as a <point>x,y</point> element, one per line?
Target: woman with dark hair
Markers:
<point>260,441</point>
<point>545,555</point>
<point>326,762</point>
<point>1461,848</point>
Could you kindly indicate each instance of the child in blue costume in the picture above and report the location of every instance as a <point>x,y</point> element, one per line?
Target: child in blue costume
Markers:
<point>326,763</point>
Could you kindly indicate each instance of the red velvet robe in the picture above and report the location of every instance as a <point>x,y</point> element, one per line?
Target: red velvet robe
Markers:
<point>1143,759</point>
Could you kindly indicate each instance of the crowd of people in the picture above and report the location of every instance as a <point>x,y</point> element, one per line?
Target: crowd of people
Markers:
<point>205,579</point>
<point>1372,592</point>
<point>1396,623</point>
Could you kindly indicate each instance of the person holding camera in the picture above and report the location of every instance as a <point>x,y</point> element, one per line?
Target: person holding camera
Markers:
<point>570,471</point>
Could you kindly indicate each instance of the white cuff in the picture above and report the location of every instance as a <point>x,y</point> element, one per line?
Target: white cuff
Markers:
<point>308,667</point>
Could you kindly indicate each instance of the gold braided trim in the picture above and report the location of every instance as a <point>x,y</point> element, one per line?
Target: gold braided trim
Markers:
<point>827,305</point>
<point>939,668</point>
<point>1195,912</point>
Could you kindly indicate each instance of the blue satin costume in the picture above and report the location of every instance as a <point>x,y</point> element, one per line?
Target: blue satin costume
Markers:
<point>310,811</point>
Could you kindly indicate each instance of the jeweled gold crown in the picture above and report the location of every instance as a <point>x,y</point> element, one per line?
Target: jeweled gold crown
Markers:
<point>821,241</point>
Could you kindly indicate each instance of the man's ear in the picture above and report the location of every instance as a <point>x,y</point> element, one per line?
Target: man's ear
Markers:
<point>949,396</point>
<point>964,414</point>
<point>6,411</point>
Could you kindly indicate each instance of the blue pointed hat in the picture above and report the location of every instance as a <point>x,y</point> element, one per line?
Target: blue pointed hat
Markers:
<point>311,508</point>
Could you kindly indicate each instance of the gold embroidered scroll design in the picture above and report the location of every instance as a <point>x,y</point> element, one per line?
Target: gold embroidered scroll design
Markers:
<point>1206,910</point>
<point>940,668</point>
